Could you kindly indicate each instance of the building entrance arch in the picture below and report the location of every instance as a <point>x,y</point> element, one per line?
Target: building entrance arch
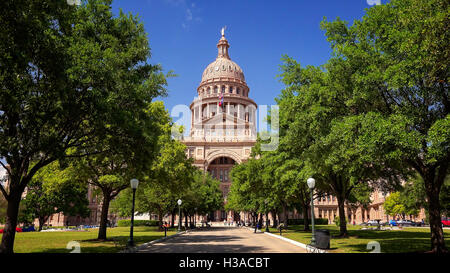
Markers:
<point>220,168</point>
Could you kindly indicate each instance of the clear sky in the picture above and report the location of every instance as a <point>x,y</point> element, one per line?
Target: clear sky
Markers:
<point>183,35</point>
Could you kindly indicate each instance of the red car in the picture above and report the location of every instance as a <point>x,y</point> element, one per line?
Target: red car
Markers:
<point>445,221</point>
<point>17,230</point>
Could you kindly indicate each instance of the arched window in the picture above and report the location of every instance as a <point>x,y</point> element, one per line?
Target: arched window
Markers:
<point>216,89</point>
<point>237,91</point>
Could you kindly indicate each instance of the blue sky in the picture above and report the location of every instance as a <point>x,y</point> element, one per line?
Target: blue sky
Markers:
<point>183,35</point>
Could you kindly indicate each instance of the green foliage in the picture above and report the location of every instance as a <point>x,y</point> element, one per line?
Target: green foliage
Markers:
<point>76,82</point>
<point>337,221</point>
<point>52,190</point>
<point>378,110</point>
<point>399,72</point>
<point>137,223</point>
<point>393,205</point>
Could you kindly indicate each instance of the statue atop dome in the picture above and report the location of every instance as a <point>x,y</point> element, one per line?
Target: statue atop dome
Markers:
<point>223,30</point>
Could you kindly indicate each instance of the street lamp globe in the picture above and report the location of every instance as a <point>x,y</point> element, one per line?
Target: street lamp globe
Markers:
<point>179,202</point>
<point>134,183</point>
<point>311,183</point>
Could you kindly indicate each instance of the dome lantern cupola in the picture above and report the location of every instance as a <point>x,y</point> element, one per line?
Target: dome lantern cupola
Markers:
<point>223,68</point>
<point>223,46</point>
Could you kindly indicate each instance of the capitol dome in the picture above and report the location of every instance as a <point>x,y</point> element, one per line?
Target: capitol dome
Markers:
<point>223,68</point>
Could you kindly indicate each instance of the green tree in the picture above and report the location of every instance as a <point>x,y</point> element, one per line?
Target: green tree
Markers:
<point>202,196</point>
<point>245,191</point>
<point>320,131</point>
<point>393,205</point>
<point>51,191</point>
<point>110,171</point>
<point>399,66</point>
<point>70,76</point>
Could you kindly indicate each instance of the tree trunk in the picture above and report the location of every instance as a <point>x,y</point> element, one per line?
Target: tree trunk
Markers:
<point>104,215</point>
<point>9,231</point>
<point>342,222</point>
<point>437,235</point>
<point>41,222</point>
<point>305,217</point>
<point>160,216</point>
<point>433,186</point>
<point>286,215</point>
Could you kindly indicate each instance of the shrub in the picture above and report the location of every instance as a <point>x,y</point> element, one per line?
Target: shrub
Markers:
<point>137,223</point>
<point>317,221</point>
<point>337,221</point>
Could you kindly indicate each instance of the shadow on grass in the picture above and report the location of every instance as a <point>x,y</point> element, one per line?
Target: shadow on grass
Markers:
<point>113,244</point>
<point>391,241</point>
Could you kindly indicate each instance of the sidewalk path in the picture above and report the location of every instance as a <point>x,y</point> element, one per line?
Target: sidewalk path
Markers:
<point>222,240</point>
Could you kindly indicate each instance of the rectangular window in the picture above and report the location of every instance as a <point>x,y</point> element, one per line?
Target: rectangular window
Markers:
<point>221,175</point>
<point>226,175</point>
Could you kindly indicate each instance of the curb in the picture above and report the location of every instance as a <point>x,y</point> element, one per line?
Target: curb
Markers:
<point>308,248</point>
<point>137,248</point>
<point>315,250</point>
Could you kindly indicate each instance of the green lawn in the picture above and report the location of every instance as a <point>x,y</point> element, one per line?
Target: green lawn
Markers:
<point>56,242</point>
<point>391,241</point>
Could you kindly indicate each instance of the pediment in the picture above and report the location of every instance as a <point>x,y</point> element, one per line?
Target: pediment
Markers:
<point>219,119</point>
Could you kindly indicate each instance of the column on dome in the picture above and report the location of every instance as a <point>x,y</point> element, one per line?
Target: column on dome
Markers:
<point>192,120</point>
<point>197,110</point>
<point>238,110</point>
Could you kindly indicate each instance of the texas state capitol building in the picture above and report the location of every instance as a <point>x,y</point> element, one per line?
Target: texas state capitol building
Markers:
<point>223,122</point>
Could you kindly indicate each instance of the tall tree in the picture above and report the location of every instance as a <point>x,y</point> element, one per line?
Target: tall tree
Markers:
<point>130,156</point>
<point>51,191</point>
<point>70,75</point>
<point>399,62</point>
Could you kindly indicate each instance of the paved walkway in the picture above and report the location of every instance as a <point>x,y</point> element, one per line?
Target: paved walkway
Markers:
<point>223,240</point>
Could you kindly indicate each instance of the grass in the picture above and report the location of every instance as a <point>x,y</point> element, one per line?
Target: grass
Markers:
<point>56,242</point>
<point>406,240</point>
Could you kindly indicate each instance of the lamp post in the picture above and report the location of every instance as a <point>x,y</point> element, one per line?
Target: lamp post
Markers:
<point>179,215</point>
<point>311,183</point>
<point>134,184</point>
